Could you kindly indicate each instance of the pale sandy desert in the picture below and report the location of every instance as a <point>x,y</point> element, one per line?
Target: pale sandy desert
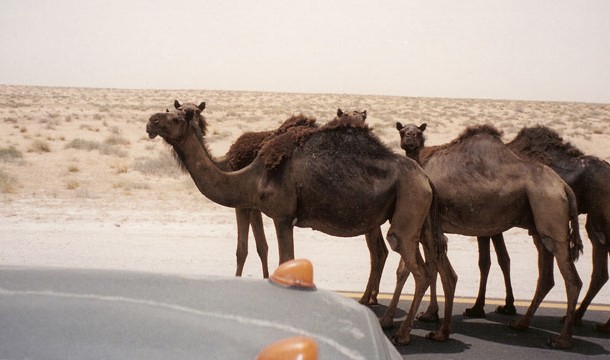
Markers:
<point>82,185</point>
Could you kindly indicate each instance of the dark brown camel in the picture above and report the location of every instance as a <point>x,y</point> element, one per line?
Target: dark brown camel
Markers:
<point>242,152</point>
<point>339,179</point>
<point>484,189</point>
<point>589,178</point>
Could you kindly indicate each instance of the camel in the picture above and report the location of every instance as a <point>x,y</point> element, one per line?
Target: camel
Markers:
<point>240,154</point>
<point>484,189</point>
<point>339,179</point>
<point>589,178</point>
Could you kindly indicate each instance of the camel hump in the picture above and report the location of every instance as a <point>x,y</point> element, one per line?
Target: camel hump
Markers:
<point>480,129</point>
<point>280,144</point>
<point>538,139</point>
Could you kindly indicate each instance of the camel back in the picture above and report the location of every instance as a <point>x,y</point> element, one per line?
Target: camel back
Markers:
<point>537,142</point>
<point>276,149</point>
<point>469,132</point>
<point>247,146</point>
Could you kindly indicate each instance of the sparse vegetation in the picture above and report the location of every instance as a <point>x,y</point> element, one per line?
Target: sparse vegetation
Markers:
<point>72,184</point>
<point>10,154</point>
<point>116,140</point>
<point>162,165</point>
<point>39,146</point>
<point>8,184</point>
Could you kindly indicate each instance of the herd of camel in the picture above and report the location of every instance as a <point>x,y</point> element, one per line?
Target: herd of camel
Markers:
<point>339,178</point>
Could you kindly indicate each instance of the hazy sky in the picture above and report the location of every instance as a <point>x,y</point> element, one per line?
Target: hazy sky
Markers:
<point>512,49</point>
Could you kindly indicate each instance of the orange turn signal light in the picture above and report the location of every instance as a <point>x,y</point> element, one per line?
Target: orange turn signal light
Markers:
<point>294,348</point>
<point>294,273</point>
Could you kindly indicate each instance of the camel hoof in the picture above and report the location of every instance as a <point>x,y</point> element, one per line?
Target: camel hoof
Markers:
<point>401,340</point>
<point>475,312</point>
<point>518,325</point>
<point>560,343</point>
<point>604,329</point>
<point>427,317</point>
<point>368,302</point>
<point>386,322</point>
<point>438,336</point>
<point>506,310</point>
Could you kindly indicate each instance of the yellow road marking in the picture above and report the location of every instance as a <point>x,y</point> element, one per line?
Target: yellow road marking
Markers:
<point>469,300</point>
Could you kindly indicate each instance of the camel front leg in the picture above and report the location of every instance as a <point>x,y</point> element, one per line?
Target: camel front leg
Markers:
<point>504,262</point>
<point>285,240</point>
<point>409,252</point>
<point>256,220</point>
<point>478,309</point>
<point>544,285</point>
<point>378,253</point>
<point>242,216</point>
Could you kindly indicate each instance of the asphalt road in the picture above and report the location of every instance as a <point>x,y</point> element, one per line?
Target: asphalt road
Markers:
<point>491,338</point>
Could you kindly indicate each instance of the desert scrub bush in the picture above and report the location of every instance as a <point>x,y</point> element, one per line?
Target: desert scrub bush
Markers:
<point>130,185</point>
<point>8,184</point>
<point>162,165</point>
<point>10,154</point>
<point>73,169</point>
<point>116,140</point>
<point>39,146</point>
<point>81,144</point>
<point>89,145</point>
<point>72,184</point>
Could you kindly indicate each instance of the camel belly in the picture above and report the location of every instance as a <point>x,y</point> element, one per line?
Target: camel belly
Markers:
<point>485,217</point>
<point>343,218</point>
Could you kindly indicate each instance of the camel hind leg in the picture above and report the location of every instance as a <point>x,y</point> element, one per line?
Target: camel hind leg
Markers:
<point>544,285</point>
<point>378,253</point>
<point>599,274</point>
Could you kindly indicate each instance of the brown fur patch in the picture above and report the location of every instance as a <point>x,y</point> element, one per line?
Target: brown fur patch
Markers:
<point>479,129</point>
<point>249,145</point>
<point>278,147</point>
<point>536,142</point>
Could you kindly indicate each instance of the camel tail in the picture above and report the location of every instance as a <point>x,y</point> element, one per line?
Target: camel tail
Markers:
<point>440,240</point>
<point>575,242</point>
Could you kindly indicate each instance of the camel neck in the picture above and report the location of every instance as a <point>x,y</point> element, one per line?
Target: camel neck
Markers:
<point>231,189</point>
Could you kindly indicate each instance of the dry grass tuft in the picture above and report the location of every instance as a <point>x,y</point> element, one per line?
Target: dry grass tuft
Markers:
<point>39,146</point>
<point>72,184</point>
<point>162,165</point>
<point>8,184</point>
<point>10,154</point>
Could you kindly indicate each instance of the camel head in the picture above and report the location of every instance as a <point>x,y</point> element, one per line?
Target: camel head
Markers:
<point>411,136</point>
<point>173,126</point>
<point>350,116</point>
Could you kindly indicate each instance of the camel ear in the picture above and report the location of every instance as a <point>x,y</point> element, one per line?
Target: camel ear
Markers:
<point>398,126</point>
<point>364,115</point>
<point>422,127</point>
<point>177,104</point>
<point>201,106</point>
<point>339,112</point>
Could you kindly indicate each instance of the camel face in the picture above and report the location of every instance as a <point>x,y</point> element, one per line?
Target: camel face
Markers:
<point>359,116</point>
<point>171,126</point>
<point>411,136</point>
